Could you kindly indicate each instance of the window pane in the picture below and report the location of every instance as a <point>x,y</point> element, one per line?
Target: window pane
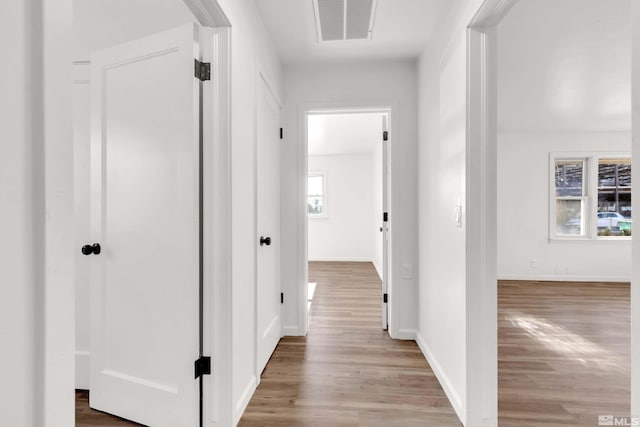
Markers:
<point>569,217</point>
<point>569,178</point>
<point>316,185</point>
<point>315,205</point>
<point>614,197</point>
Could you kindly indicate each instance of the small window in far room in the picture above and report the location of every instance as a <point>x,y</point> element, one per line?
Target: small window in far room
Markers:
<point>590,196</point>
<point>569,197</point>
<point>316,196</point>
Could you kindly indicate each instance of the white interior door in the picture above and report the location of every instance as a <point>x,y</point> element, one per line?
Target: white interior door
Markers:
<point>145,209</point>
<point>385,221</point>
<point>268,300</point>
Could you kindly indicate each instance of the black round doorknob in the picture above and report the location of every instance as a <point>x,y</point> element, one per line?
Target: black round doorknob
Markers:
<point>91,249</point>
<point>265,241</point>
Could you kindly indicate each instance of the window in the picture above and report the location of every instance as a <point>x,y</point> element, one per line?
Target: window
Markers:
<point>570,197</point>
<point>614,197</point>
<point>316,195</point>
<point>591,196</point>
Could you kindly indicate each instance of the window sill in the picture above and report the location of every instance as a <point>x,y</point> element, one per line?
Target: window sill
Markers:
<point>591,239</point>
<point>318,216</point>
<point>614,238</point>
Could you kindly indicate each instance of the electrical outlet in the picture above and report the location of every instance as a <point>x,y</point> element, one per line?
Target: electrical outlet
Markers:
<point>407,271</point>
<point>534,263</point>
<point>561,269</point>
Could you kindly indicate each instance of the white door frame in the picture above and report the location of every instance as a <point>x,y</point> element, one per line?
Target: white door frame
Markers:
<point>56,297</point>
<point>217,315</point>
<point>635,252</point>
<point>303,223</point>
<point>480,215</point>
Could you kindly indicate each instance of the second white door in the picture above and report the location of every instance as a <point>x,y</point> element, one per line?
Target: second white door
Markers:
<point>268,293</point>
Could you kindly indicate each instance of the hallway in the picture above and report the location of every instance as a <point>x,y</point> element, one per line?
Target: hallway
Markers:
<point>347,371</point>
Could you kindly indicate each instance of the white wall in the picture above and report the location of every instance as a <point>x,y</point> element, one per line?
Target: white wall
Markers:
<point>348,85</point>
<point>523,212</point>
<point>21,222</point>
<point>36,196</point>
<point>573,76</point>
<point>442,329</point>
<point>346,233</point>
<point>57,138</point>
<point>251,50</point>
<point>443,158</point>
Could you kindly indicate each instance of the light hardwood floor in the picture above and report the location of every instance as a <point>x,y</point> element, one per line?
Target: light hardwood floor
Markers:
<point>347,371</point>
<point>564,359</point>
<point>87,417</point>
<point>563,353</point>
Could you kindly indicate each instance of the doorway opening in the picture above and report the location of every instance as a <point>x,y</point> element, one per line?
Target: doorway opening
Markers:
<point>542,172</point>
<point>158,177</point>
<point>564,251</point>
<point>347,197</point>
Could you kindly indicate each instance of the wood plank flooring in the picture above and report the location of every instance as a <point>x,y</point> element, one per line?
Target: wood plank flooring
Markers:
<point>563,353</point>
<point>347,371</point>
<point>87,417</point>
<point>564,359</point>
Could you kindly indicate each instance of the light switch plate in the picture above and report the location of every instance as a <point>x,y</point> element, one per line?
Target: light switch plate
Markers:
<point>407,271</point>
<point>459,216</point>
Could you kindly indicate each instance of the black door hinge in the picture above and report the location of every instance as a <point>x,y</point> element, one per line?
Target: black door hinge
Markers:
<point>281,133</point>
<point>281,297</point>
<point>385,298</point>
<point>385,135</point>
<point>203,366</point>
<point>202,70</point>
<point>385,217</point>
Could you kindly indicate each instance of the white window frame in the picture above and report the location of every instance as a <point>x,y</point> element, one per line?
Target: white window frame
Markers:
<point>325,211</point>
<point>589,194</point>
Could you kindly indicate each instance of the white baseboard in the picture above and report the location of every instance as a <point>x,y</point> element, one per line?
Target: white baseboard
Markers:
<point>292,331</point>
<point>82,370</point>
<point>340,259</point>
<point>245,398</point>
<point>404,334</point>
<point>448,388</point>
<point>564,278</point>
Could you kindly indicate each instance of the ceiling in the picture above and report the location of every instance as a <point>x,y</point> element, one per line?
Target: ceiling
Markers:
<point>400,30</point>
<point>353,133</point>
<point>565,66</point>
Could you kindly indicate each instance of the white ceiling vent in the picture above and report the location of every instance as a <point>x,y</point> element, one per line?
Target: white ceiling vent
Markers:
<point>344,19</point>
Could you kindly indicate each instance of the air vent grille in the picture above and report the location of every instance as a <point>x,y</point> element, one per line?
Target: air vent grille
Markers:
<point>344,19</point>
<point>358,19</point>
<point>331,19</point>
